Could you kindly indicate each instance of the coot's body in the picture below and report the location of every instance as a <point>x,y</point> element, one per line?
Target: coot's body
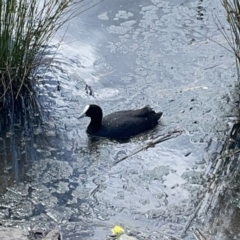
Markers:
<point>122,124</point>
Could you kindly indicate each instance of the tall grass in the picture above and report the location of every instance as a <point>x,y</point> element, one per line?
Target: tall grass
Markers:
<point>232,8</point>
<point>26,27</point>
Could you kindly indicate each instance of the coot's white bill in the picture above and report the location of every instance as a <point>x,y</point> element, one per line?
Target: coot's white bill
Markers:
<point>83,114</point>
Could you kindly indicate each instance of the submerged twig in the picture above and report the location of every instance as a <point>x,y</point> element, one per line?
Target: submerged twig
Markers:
<point>210,192</point>
<point>168,236</point>
<point>215,187</point>
<point>198,234</point>
<point>152,143</point>
<point>192,216</point>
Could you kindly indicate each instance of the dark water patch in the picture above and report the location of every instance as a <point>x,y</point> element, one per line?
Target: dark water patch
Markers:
<point>16,145</point>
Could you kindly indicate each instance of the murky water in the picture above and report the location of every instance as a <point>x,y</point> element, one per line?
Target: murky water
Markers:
<point>120,55</point>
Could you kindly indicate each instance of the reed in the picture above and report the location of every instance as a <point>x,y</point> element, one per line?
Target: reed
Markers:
<point>232,8</point>
<point>26,28</point>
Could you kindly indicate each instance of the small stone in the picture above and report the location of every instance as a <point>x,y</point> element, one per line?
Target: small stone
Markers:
<point>126,237</point>
<point>53,235</point>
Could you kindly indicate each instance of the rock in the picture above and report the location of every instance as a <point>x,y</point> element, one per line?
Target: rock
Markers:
<point>21,234</point>
<point>13,234</point>
<point>126,237</point>
<point>53,235</point>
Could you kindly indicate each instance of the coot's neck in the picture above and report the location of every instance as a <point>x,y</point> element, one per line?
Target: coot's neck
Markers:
<point>95,124</point>
<point>95,113</point>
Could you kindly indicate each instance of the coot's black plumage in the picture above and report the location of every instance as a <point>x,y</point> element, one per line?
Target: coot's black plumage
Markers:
<point>122,124</point>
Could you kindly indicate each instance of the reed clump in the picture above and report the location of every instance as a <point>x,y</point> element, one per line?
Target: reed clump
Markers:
<point>26,28</point>
<point>232,8</point>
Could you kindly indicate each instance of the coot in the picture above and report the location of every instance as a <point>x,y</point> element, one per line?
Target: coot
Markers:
<point>122,124</point>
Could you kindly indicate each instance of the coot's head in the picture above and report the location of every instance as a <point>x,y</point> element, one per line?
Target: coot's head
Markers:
<point>93,111</point>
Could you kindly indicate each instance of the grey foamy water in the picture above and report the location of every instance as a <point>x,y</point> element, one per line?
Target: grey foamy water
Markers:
<point>122,55</point>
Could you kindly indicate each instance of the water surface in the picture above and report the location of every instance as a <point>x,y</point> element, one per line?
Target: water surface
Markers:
<point>122,55</point>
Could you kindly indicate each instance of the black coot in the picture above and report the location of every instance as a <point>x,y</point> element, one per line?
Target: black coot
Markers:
<point>122,124</point>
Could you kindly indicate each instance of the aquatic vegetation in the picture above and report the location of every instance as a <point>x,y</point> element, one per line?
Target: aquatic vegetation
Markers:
<point>26,28</point>
<point>232,8</point>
